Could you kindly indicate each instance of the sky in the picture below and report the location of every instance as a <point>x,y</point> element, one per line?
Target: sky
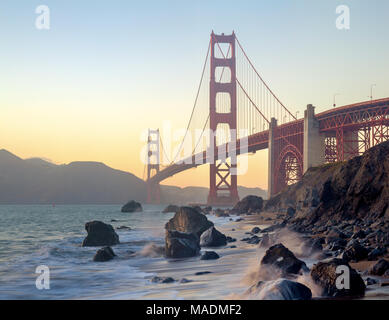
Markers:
<point>105,71</point>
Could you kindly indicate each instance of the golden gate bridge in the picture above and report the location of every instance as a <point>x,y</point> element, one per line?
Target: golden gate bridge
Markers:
<point>234,101</point>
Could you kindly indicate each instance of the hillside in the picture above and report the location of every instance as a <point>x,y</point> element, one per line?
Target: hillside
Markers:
<point>36,181</point>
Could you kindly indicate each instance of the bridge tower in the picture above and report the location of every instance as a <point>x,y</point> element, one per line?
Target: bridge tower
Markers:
<point>153,161</point>
<point>223,179</point>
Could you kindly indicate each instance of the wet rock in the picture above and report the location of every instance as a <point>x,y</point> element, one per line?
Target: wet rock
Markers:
<point>355,253</point>
<point>376,253</point>
<point>200,273</point>
<point>100,234</point>
<point>189,220</point>
<point>359,235</point>
<point>171,208</point>
<point>184,280</point>
<point>273,228</point>
<point>324,274</point>
<point>249,203</point>
<point>209,255</point>
<point>132,206</point>
<point>370,281</point>
<point>104,254</point>
<point>379,268</point>
<point>181,245</point>
<point>162,279</point>
<point>212,238</point>
<point>281,257</point>
<point>337,244</point>
<point>123,228</point>
<point>254,240</point>
<point>290,211</point>
<point>281,289</point>
<point>255,230</point>
<point>229,239</point>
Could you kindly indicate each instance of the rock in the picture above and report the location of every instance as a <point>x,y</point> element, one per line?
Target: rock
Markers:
<point>359,235</point>
<point>281,289</point>
<point>376,253</point>
<point>272,228</point>
<point>379,268</point>
<point>255,230</point>
<point>290,211</point>
<point>162,279</point>
<point>337,244</point>
<point>100,234</point>
<point>324,274</point>
<point>189,220</point>
<point>171,208</point>
<point>132,206</point>
<point>254,240</point>
<point>123,227</point>
<point>252,203</point>
<point>104,254</point>
<point>209,255</point>
<point>181,245</point>
<point>229,239</point>
<point>200,273</point>
<point>355,253</point>
<point>184,280</point>
<point>212,238</point>
<point>284,259</point>
<point>370,281</point>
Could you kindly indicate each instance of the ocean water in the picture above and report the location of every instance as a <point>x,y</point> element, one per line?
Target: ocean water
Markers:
<point>35,235</point>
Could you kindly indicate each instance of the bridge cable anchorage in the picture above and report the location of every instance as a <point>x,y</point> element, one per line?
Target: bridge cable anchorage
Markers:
<point>267,87</point>
<point>195,103</point>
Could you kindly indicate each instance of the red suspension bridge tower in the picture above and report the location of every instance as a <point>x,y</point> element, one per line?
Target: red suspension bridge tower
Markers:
<point>223,180</point>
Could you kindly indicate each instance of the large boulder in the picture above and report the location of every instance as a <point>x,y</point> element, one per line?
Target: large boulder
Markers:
<point>181,245</point>
<point>100,234</point>
<point>249,203</point>
<point>281,289</point>
<point>189,220</point>
<point>282,258</point>
<point>132,206</point>
<point>324,274</point>
<point>380,268</point>
<point>212,238</point>
<point>104,254</point>
<point>171,208</point>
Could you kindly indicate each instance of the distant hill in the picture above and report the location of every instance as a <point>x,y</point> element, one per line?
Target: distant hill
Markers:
<point>37,181</point>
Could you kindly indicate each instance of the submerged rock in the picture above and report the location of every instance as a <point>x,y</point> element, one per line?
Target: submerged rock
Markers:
<point>324,274</point>
<point>281,289</point>
<point>281,257</point>
<point>255,230</point>
<point>209,255</point>
<point>189,220</point>
<point>212,238</point>
<point>162,279</point>
<point>104,254</point>
<point>249,203</point>
<point>171,208</point>
<point>181,245</point>
<point>100,234</point>
<point>132,206</point>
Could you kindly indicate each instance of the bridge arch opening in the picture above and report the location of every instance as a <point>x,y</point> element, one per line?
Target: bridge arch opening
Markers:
<point>223,102</point>
<point>223,75</point>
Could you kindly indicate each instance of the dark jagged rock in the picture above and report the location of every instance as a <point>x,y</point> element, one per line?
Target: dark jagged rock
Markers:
<point>212,238</point>
<point>162,279</point>
<point>171,208</point>
<point>376,253</point>
<point>104,254</point>
<point>100,234</point>
<point>255,230</point>
<point>209,255</point>
<point>324,274</point>
<point>249,203</point>
<point>181,245</point>
<point>355,253</point>
<point>229,239</point>
<point>284,259</point>
<point>281,289</point>
<point>132,206</point>
<point>380,268</point>
<point>189,220</point>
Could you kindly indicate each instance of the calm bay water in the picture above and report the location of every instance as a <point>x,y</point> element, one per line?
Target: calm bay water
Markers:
<point>36,235</point>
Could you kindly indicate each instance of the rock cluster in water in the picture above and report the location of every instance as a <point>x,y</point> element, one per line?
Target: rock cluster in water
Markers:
<point>132,206</point>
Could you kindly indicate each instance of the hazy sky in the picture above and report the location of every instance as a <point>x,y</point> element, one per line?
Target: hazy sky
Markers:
<point>106,70</point>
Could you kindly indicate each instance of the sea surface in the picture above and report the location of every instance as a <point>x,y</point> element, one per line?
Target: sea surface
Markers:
<point>36,235</point>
